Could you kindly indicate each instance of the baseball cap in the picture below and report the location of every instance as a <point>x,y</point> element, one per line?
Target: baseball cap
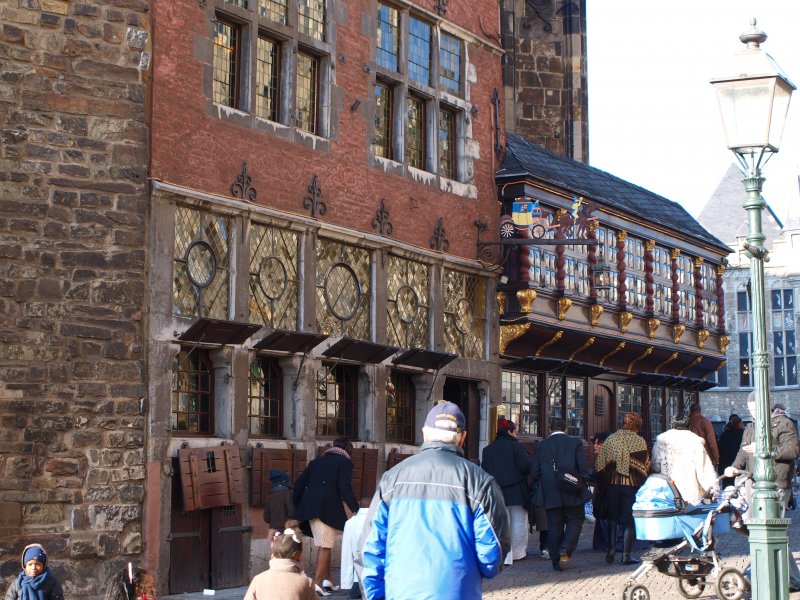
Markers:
<point>447,416</point>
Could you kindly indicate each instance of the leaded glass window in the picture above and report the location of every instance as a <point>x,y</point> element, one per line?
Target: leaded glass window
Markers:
<point>447,143</point>
<point>629,400</point>
<point>708,279</point>
<point>400,408</point>
<point>419,51</point>
<point>407,303</point>
<point>450,64</point>
<point>311,18</point>
<point>201,271</point>
<point>576,406</point>
<point>241,3</point>
<point>307,89</point>
<point>464,314</point>
<point>337,401</point>
<point>720,376</point>
<point>274,10</point>
<point>267,75</point>
<point>226,63</point>
<point>520,401</point>
<point>388,37</point>
<point>555,398</point>
<point>674,405</point>
<point>265,397</point>
<point>192,392</point>
<point>415,133</point>
<point>382,144</point>
<point>274,287</point>
<point>657,412</point>
<point>784,337</point>
<point>343,290</point>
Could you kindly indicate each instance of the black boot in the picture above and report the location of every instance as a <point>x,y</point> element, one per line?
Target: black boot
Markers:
<point>627,544</point>
<point>612,542</point>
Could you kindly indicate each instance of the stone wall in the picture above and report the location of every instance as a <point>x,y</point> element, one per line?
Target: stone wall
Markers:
<point>73,201</point>
<point>544,74</point>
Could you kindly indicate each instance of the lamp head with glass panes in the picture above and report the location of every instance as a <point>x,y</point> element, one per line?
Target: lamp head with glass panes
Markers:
<point>753,95</point>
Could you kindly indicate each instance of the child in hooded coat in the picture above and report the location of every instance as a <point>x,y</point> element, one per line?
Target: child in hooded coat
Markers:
<point>36,582</point>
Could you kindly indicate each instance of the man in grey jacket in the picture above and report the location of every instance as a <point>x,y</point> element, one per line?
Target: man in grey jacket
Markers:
<point>786,448</point>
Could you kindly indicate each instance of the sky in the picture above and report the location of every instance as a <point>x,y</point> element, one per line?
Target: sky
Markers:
<point>653,117</point>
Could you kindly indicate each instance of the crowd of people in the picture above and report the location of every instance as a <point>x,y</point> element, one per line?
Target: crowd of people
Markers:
<point>470,521</point>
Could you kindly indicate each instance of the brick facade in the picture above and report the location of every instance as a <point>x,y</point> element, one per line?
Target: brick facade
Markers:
<point>73,200</point>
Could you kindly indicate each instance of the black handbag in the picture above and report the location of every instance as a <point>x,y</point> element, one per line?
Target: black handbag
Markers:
<point>568,481</point>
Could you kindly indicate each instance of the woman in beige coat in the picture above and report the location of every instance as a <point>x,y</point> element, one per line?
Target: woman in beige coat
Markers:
<point>285,579</point>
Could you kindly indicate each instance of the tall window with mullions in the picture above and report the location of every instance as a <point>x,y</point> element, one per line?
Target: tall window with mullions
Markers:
<point>745,339</point>
<point>520,401</point>
<point>629,400</point>
<point>265,398</point>
<point>784,337</point>
<point>226,63</point>
<point>576,406</point>
<point>192,392</point>
<point>337,401</point>
<point>400,408</point>
<point>382,142</point>
<point>387,51</point>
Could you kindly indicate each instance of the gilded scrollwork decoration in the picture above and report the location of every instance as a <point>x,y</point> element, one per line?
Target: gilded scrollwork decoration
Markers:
<point>595,311</point>
<point>509,333</point>
<point>677,332</point>
<point>625,319</point>
<point>526,298</point>
<point>562,307</point>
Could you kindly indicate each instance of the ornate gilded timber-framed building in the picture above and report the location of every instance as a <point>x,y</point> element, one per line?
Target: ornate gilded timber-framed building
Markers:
<point>649,343</point>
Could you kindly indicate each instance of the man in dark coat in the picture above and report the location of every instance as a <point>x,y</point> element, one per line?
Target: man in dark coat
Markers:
<point>564,509</point>
<point>320,495</point>
<point>729,442</point>
<point>506,460</point>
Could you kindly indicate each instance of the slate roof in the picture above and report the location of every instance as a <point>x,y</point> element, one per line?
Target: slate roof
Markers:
<point>724,214</point>
<point>525,158</point>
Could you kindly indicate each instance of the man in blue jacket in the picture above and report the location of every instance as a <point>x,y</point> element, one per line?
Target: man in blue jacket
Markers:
<point>437,524</point>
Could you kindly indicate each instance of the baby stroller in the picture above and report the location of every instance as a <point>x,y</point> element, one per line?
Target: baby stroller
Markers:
<point>661,515</point>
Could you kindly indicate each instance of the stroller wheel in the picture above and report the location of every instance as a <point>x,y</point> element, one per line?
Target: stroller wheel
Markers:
<point>637,592</point>
<point>691,588</point>
<point>730,584</point>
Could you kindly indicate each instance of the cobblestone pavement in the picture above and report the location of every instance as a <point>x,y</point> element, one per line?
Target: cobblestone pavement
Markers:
<point>589,576</point>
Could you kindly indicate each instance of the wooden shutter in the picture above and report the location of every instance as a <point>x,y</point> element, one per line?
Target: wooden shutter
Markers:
<point>210,477</point>
<point>365,470</point>
<point>394,457</point>
<point>291,460</point>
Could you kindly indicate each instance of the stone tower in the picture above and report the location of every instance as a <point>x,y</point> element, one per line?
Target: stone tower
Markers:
<point>73,200</point>
<point>544,74</point>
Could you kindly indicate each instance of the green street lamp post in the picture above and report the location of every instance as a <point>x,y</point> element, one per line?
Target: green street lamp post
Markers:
<point>753,97</point>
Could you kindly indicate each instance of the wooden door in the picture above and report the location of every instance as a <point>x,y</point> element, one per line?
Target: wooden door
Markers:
<point>227,547</point>
<point>464,393</point>
<point>188,543</point>
<point>600,410</point>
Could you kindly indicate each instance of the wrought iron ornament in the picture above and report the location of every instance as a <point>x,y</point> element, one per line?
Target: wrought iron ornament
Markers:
<point>312,201</point>
<point>539,7</point>
<point>438,241</point>
<point>440,6</point>
<point>381,220</point>
<point>498,147</point>
<point>241,188</point>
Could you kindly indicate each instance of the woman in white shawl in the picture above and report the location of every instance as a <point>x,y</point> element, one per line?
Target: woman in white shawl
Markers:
<point>681,455</point>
